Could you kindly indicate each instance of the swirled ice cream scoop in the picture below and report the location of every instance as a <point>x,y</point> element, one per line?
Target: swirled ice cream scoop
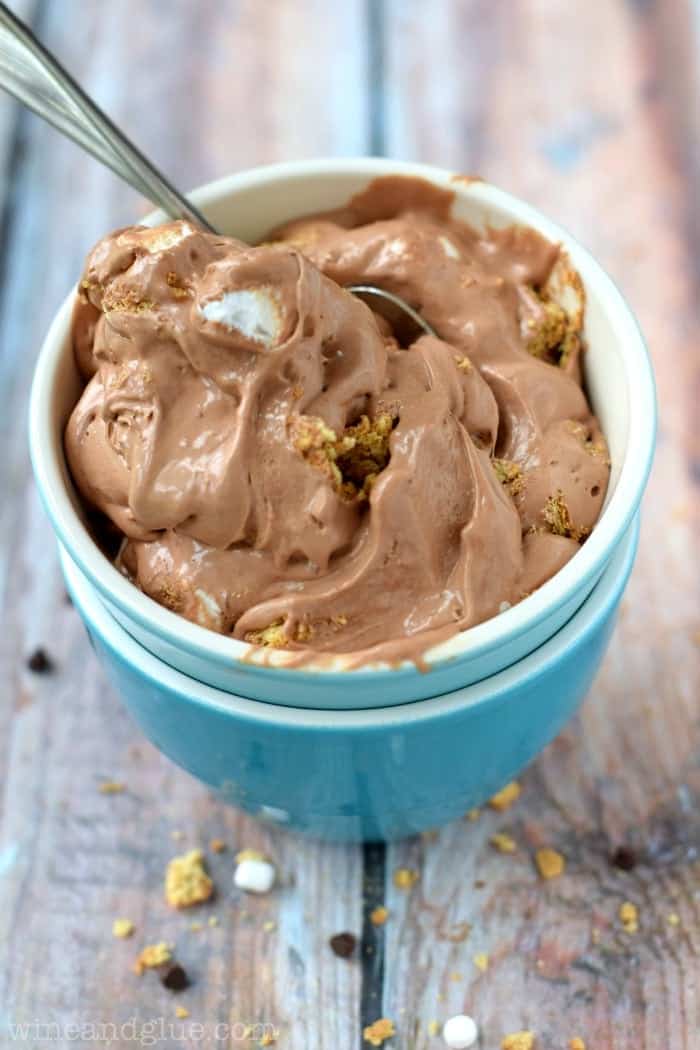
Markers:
<point>284,471</point>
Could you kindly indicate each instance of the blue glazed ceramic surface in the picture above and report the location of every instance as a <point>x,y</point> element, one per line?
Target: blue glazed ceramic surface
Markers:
<point>370,774</point>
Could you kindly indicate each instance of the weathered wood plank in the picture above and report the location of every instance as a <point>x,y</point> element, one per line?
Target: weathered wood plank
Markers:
<point>207,88</point>
<point>512,91</point>
<point>568,105</point>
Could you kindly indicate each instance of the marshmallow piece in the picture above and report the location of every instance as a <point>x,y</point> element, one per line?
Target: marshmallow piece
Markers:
<point>161,238</point>
<point>460,1032</point>
<point>254,876</point>
<point>255,312</point>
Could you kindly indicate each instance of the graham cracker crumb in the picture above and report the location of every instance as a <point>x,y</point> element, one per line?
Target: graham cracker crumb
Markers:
<point>518,1041</point>
<point>166,593</point>
<point>505,798</point>
<point>177,285</point>
<point>379,915</point>
<point>509,474</point>
<point>366,449</point>
<point>550,863</point>
<point>186,880</point>
<point>577,1043</point>
<point>128,303</point>
<point>553,335</point>
<point>544,336</point>
<point>378,1031</point>
<point>273,636</point>
<point>558,519</point>
<point>217,845</point>
<point>503,842</point>
<point>277,635</point>
<point>464,364</point>
<point>481,961</point>
<point>629,917</point>
<point>123,928</point>
<point>352,460</point>
<point>112,787</point>
<point>153,955</point>
<point>182,1012</point>
<point>593,446</point>
<point>318,444</point>
<point>405,878</point>
<point>268,1039</point>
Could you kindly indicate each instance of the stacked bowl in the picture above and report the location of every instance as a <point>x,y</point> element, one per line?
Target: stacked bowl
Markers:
<point>375,752</point>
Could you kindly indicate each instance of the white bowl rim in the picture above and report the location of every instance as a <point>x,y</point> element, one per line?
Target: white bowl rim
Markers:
<point>598,604</point>
<point>492,633</point>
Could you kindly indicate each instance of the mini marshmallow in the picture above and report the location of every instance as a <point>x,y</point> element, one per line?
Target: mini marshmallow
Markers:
<point>460,1032</point>
<point>161,239</point>
<point>254,312</point>
<point>254,876</point>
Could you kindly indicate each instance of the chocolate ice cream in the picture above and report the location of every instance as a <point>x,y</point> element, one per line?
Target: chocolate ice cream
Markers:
<point>284,471</point>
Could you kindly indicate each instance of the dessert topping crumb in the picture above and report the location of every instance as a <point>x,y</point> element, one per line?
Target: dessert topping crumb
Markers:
<point>377,1032</point>
<point>186,880</point>
<point>123,928</point>
<point>503,842</point>
<point>405,878</point>
<point>505,798</point>
<point>550,863</point>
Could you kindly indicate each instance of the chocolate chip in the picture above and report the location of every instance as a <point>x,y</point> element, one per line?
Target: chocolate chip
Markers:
<point>40,662</point>
<point>343,944</point>
<point>173,976</point>
<point>624,858</point>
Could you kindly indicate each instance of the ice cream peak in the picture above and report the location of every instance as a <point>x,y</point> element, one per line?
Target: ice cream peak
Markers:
<point>284,471</point>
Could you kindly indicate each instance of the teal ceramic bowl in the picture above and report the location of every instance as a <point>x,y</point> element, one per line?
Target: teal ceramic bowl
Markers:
<point>371,774</point>
<point>621,388</point>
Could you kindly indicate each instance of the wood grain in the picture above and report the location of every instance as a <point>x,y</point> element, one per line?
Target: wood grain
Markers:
<point>604,153</point>
<point>589,110</point>
<point>71,859</point>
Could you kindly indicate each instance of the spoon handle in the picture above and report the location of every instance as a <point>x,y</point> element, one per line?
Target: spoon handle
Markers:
<point>32,74</point>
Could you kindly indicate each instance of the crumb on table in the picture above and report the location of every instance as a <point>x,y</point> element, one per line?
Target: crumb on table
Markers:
<point>186,880</point>
<point>377,1032</point>
<point>152,956</point>
<point>524,1040</point>
<point>550,863</point>
<point>505,798</point>
<point>123,928</point>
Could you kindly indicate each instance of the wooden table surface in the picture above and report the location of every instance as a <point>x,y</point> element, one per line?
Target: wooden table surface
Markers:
<point>589,108</point>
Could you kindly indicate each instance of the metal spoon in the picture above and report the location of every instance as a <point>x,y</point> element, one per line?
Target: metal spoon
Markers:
<point>34,76</point>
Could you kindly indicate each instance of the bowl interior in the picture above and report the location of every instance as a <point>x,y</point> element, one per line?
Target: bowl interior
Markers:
<point>617,371</point>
